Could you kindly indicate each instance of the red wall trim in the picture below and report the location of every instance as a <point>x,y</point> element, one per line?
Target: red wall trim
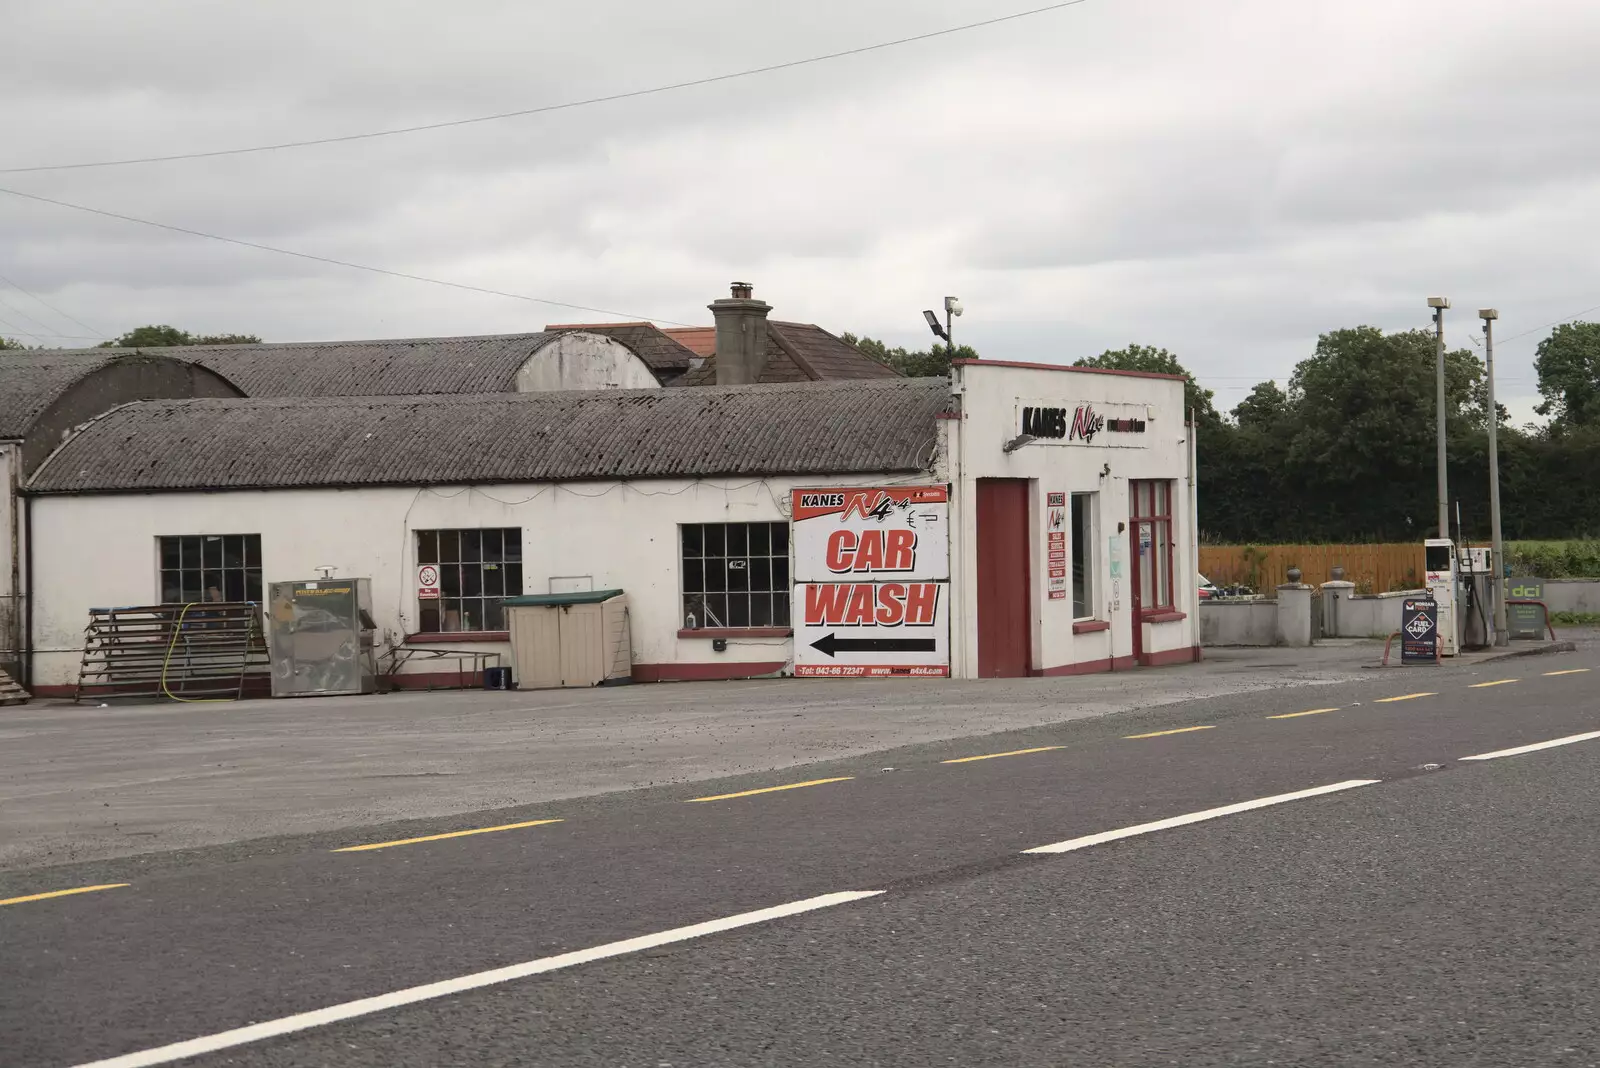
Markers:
<point>254,686</point>
<point>948,415</point>
<point>1164,617</point>
<point>738,632</point>
<point>1190,655</point>
<point>1089,667</point>
<point>1089,626</point>
<point>460,637</point>
<point>433,680</point>
<point>1064,367</point>
<point>722,669</point>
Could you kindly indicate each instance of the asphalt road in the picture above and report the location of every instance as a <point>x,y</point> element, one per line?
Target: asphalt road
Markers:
<point>1445,914</point>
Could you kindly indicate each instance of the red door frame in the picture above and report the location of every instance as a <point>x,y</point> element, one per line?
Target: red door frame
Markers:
<point>1137,615</point>
<point>1005,585</point>
<point>1136,520</point>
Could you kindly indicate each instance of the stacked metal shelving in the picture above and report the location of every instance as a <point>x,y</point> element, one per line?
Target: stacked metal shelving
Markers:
<point>210,651</point>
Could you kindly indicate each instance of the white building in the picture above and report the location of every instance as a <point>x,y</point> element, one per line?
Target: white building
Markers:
<point>1066,546</point>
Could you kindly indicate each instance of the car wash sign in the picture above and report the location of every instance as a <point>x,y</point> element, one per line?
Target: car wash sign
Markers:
<point>872,581</point>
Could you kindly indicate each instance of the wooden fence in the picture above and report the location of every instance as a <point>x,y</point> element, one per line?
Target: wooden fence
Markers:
<point>1375,568</point>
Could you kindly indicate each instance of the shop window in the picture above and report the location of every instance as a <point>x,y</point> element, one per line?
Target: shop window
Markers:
<point>1151,530</point>
<point>735,575</point>
<point>476,569</point>
<point>210,567</point>
<point>1081,536</point>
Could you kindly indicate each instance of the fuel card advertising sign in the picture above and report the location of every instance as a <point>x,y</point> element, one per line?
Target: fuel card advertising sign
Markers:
<point>872,592</point>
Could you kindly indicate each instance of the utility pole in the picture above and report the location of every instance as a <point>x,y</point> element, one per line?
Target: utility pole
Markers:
<point>1497,575</point>
<point>1439,304</point>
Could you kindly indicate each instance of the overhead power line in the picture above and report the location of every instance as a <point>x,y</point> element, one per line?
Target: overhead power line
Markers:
<point>58,311</point>
<point>1547,326</point>
<point>547,108</point>
<point>335,262</point>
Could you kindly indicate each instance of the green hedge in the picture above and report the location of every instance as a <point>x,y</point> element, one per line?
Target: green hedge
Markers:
<point>1555,559</point>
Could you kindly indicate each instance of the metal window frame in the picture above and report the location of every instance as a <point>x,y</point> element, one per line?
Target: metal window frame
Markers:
<point>702,607</point>
<point>245,572</point>
<point>1091,573</point>
<point>480,598</point>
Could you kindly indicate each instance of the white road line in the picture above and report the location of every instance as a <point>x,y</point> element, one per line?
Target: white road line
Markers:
<point>366,1006</point>
<point>1197,817</point>
<point>1536,746</point>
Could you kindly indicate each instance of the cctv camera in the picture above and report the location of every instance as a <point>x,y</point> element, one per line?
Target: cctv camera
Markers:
<point>953,305</point>
<point>1438,302</point>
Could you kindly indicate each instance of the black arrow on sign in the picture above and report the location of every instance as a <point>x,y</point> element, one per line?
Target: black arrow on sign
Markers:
<point>832,644</point>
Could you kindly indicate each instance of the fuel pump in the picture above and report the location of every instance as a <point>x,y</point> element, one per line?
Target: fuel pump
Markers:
<point>1439,562</point>
<point>1475,571</point>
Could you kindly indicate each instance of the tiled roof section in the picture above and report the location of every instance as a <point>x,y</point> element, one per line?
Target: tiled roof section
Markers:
<point>648,341</point>
<point>801,352</point>
<point>399,367</point>
<point>826,356</point>
<point>701,340</point>
<point>31,381</point>
<point>809,428</point>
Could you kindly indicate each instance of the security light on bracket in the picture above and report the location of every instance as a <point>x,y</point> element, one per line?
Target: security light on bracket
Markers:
<point>1018,442</point>
<point>935,325</point>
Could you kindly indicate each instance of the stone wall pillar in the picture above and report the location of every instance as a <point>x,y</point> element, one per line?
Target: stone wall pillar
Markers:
<point>1334,596</point>
<point>1294,615</point>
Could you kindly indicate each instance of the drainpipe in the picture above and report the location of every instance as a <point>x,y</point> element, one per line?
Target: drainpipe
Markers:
<point>1194,522</point>
<point>957,532</point>
<point>27,611</point>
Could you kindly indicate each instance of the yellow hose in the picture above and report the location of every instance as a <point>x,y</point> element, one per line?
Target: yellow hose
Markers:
<point>166,661</point>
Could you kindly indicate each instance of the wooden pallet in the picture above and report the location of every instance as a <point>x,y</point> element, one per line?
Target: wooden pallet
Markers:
<point>11,693</point>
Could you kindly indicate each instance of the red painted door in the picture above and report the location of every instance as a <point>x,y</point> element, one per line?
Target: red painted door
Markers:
<point>1004,602</point>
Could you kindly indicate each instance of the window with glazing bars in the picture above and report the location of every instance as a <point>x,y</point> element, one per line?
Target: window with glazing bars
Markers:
<point>1151,525</point>
<point>209,567</point>
<point>477,568</point>
<point>735,575</point>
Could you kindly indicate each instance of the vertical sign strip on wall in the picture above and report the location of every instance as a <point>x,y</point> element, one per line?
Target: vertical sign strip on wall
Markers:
<point>1055,540</point>
<point>872,582</point>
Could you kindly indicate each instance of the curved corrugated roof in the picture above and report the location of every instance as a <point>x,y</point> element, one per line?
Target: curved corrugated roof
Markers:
<point>31,381</point>
<point>650,343</point>
<point>804,428</point>
<point>398,367</point>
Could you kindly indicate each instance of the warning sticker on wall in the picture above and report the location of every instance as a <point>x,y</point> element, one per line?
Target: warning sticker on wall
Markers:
<point>872,594</point>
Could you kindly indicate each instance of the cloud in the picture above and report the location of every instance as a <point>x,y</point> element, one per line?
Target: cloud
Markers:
<point>1227,181</point>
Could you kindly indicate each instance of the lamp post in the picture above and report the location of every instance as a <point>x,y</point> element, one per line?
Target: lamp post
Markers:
<point>1497,575</point>
<point>1439,304</point>
<point>952,308</point>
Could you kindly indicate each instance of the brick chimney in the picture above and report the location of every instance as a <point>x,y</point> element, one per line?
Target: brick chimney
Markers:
<point>741,336</point>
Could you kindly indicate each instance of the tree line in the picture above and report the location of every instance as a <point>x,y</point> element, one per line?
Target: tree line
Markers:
<point>1345,451</point>
<point>154,337</point>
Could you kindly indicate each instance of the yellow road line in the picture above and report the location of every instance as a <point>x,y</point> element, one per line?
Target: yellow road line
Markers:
<point>1569,671</point>
<point>770,789</point>
<point>1496,682</point>
<point>992,756</point>
<point>1180,730</point>
<point>1402,697</point>
<point>60,893</point>
<point>438,837</point>
<point>1297,715</point>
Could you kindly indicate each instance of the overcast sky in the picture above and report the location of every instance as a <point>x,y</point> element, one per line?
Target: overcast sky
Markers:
<point>1223,178</point>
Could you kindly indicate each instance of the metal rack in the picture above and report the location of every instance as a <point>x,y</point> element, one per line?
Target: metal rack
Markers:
<point>204,651</point>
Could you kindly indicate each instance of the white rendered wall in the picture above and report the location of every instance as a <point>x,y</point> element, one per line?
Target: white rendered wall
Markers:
<point>584,361</point>
<point>992,394</point>
<point>99,551</point>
